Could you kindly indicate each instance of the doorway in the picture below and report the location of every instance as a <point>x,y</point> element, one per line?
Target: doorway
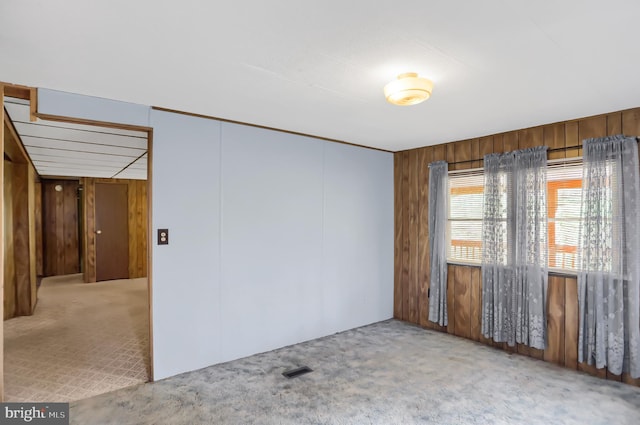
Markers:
<point>112,215</point>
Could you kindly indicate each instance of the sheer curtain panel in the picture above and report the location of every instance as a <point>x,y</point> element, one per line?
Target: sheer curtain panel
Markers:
<point>608,257</point>
<point>515,247</point>
<point>438,204</point>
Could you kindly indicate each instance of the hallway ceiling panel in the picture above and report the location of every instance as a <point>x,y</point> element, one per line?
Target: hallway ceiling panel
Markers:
<point>70,150</point>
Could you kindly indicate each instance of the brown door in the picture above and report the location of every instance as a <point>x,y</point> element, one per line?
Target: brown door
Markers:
<point>112,233</point>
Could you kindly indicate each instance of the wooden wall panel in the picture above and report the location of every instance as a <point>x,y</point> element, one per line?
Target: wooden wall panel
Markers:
<point>32,212</point>
<point>424,158</point>
<point>399,236</point>
<point>61,250</point>
<point>137,194</point>
<point>464,283</point>
<point>408,238</point>
<point>137,214</point>
<point>451,299</point>
<point>21,239</point>
<point>475,309</point>
<point>414,265</point>
<point>462,301</point>
<point>555,321</point>
<point>9,274</point>
<point>38,230</point>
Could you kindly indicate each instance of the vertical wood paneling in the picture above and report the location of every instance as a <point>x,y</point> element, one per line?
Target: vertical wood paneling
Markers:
<point>631,122</point>
<point>60,227</point>
<point>486,147</point>
<point>9,274</point>
<point>571,138</point>
<point>498,144</point>
<point>414,264</point>
<point>530,137</point>
<point>464,283</point>
<point>451,153</point>
<point>70,223</point>
<point>21,247</point>
<point>451,299</point>
<point>555,350</point>
<point>475,312</point>
<point>89,229</point>
<point>614,123</point>
<point>571,323</point>
<point>510,141</point>
<point>406,254</point>
<point>425,157</point>
<point>592,127</point>
<point>38,227</point>
<point>553,135</point>
<point>439,153</point>
<point>462,301</point>
<point>132,200</point>
<point>462,152</point>
<point>475,153</point>
<point>33,249</point>
<point>142,229</point>
<point>399,236</point>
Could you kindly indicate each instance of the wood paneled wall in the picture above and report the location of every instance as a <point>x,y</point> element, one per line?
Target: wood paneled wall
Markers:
<point>20,289</point>
<point>9,275</point>
<point>138,218</point>
<point>411,258</point>
<point>61,249</point>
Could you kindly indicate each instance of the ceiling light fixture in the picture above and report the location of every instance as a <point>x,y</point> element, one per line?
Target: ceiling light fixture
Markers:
<point>408,89</point>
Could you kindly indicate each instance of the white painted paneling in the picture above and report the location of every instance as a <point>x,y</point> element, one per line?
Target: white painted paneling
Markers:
<point>54,102</point>
<point>272,240</point>
<point>186,286</point>
<point>358,236</point>
<point>304,247</point>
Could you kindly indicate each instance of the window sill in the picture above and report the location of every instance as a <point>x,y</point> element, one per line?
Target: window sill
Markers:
<point>551,272</point>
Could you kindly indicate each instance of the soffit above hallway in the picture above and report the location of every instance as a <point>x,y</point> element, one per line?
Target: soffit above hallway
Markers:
<point>319,67</point>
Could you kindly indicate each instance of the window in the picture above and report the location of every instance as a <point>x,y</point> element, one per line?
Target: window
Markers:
<point>465,217</point>
<point>564,196</point>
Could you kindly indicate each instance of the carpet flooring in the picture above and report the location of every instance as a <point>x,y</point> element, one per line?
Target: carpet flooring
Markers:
<point>386,373</point>
<point>83,339</point>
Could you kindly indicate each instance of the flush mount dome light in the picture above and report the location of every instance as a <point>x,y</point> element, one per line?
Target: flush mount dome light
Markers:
<point>408,89</point>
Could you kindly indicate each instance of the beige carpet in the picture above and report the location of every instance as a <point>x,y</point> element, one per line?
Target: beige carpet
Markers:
<point>386,373</point>
<point>83,340</point>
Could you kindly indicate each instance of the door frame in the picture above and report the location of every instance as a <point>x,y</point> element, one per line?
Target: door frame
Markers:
<point>31,94</point>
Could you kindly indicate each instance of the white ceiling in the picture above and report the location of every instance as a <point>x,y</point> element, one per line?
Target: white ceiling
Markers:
<point>319,67</point>
<point>70,150</point>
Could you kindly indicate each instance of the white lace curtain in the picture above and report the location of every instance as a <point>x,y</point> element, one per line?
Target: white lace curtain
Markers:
<point>514,241</point>
<point>609,256</point>
<point>438,207</point>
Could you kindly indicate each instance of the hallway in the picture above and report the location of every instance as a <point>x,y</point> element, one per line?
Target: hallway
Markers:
<point>83,340</point>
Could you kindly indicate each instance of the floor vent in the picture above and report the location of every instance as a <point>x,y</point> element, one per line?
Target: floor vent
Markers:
<point>297,372</point>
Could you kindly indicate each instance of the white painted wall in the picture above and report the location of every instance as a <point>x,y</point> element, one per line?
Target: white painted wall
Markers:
<point>305,240</point>
<point>186,273</point>
<point>274,238</point>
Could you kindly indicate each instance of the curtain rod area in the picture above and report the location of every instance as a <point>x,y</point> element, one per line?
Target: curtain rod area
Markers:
<point>467,161</point>
<point>573,159</point>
